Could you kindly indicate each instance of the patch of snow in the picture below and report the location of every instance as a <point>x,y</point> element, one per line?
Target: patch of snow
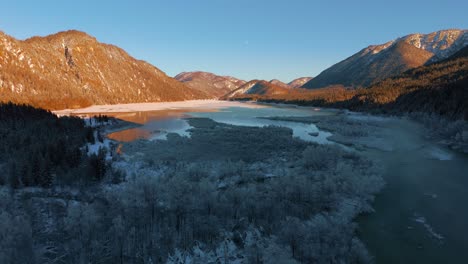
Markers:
<point>422,220</point>
<point>379,48</point>
<point>442,43</point>
<point>94,122</point>
<point>94,148</point>
<point>141,107</point>
<point>243,90</point>
<point>438,154</point>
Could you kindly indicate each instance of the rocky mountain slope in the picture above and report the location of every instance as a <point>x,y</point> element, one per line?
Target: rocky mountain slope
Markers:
<point>439,88</point>
<point>299,82</point>
<point>257,87</point>
<point>378,62</point>
<point>279,83</point>
<point>72,69</point>
<point>213,85</point>
<point>267,88</point>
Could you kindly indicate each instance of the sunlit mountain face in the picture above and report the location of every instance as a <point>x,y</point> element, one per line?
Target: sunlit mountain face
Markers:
<point>72,69</point>
<point>377,62</point>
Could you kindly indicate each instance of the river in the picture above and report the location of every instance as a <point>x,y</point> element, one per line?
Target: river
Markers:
<point>420,216</point>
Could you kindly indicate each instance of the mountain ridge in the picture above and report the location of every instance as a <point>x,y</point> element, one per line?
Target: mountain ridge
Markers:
<point>209,83</point>
<point>439,88</point>
<point>72,69</point>
<point>371,64</point>
<point>299,82</point>
<point>257,87</point>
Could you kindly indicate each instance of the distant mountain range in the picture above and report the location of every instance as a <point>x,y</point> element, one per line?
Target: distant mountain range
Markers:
<point>227,87</point>
<point>259,87</point>
<point>72,69</point>
<point>280,83</point>
<point>378,62</point>
<point>440,88</point>
<point>208,83</point>
<point>267,88</point>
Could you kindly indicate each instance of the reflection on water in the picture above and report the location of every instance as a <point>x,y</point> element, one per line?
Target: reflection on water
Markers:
<point>154,124</point>
<point>130,134</point>
<point>256,118</point>
<point>143,117</point>
<point>157,124</point>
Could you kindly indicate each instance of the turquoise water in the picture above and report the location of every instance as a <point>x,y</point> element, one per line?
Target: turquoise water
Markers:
<point>157,124</point>
<point>422,214</point>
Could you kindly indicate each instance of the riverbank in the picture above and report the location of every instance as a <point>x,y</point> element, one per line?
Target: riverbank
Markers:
<point>425,186</point>
<point>451,133</point>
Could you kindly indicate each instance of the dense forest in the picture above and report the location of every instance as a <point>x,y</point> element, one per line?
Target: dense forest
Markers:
<point>37,148</point>
<point>227,194</point>
<point>440,88</point>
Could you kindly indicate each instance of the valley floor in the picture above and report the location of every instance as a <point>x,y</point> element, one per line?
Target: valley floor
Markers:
<point>226,193</point>
<point>247,194</point>
<point>420,215</point>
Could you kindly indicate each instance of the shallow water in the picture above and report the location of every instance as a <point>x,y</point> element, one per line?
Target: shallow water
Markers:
<point>157,124</point>
<point>153,124</point>
<point>253,117</point>
<point>422,214</point>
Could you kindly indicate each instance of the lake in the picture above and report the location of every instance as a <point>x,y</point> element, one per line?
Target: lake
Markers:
<point>156,124</point>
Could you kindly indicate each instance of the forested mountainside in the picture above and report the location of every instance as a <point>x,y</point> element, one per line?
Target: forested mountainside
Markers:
<point>213,85</point>
<point>72,69</point>
<point>440,88</point>
<point>377,62</point>
<point>39,149</point>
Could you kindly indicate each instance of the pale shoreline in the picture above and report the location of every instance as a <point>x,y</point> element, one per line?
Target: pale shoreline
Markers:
<point>142,107</point>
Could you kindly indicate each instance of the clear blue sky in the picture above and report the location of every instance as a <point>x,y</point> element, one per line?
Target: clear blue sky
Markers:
<point>243,38</point>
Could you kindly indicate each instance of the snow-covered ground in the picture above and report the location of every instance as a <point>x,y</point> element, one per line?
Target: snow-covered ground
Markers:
<point>94,122</point>
<point>138,107</point>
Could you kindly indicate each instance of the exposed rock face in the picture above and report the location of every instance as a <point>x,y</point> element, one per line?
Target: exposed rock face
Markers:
<point>257,87</point>
<point>279,83</point>
<point>72,69</point>
<point>378,62</point>
<point>299,82</point>
<point>213,85</point>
